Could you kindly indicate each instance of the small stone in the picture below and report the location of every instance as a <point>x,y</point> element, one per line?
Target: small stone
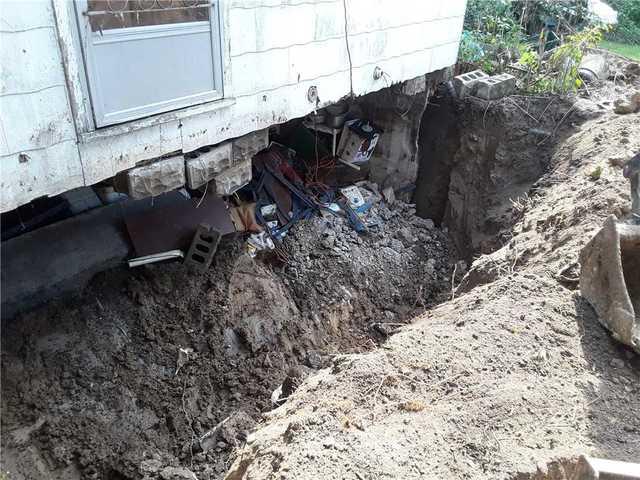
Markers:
<point>177,473</point>
<point>329,442</point>
<point>617,363</point>
<point>149,466</point>
<point>389,195</point>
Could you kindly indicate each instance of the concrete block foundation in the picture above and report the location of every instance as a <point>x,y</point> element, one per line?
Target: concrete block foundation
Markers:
<point>247,146</point>
<point>233,178</point>
<point>496,87</point>
<point>208,163</point>
<point>467,83</point>
<point>156,178</point>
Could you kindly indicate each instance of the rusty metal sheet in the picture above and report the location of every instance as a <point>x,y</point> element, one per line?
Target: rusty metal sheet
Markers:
<point>171,226</point>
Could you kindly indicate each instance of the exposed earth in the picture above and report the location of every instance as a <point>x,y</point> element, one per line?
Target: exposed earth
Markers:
<point>502,372</point>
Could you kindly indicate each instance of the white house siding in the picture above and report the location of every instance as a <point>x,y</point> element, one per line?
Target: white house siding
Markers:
<point>274,51</point>
<point>38,152</point>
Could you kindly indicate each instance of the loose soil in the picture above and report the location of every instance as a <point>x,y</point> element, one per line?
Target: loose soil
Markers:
<point>511,378</point>
<point>125,379</point>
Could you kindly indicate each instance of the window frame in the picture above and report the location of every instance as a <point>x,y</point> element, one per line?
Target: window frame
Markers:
<point>76,72</point>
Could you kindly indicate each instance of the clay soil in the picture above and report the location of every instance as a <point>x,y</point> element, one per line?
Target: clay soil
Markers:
<point>387,372</point>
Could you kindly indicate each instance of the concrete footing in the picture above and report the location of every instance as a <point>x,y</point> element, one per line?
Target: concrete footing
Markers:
<point>233,178</point>
<point>207,163</point>
<point>156,178</point>
<point>228,164</point>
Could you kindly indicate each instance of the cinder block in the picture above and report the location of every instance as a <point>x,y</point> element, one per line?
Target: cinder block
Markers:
<point>203,247</point>
<point>156,178</point>
<point>247,146</point>
<point>233,178</point>
<point>207,163</point>
<point>496,87</point>
<point>467,83</point>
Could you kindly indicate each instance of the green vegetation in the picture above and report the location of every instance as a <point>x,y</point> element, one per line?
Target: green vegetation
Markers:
<point>542,41</point>
<point>596,173</point>
<point>624,49</point>
<point>628,28</point>
<point>558,71</point>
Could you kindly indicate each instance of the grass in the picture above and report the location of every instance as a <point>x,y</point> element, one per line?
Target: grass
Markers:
<point>625,49</point>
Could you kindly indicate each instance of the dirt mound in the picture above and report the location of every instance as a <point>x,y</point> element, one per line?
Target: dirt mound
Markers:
<point>513,374</point>
<point>159,369</point>
<point>566,207</point>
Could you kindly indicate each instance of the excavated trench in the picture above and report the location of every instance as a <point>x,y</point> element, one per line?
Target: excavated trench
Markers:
<point>160,367</point>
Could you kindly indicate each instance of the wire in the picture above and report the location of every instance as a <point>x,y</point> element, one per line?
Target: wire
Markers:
<point>346,41</point>
<point>203,195</point>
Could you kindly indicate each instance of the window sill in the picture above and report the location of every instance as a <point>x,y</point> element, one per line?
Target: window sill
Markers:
<point>155,120</point>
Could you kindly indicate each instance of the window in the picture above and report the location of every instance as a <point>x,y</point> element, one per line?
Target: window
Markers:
<point>145,57</point>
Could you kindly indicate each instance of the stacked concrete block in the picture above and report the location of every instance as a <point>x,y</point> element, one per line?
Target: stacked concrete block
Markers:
<point>248,145</point>
<point>208,163</point>
<point>226,163</point>
<point>467,83</point>
<point>496,87</point>
<point>233,178</point>
<point>156,178</point>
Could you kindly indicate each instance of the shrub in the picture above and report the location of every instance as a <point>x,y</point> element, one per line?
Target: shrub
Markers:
<point>559,72</point>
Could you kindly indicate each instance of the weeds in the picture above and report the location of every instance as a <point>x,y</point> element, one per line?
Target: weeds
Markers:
<point>543,40</point>
<point>596,173</point>
<point>558,72</point>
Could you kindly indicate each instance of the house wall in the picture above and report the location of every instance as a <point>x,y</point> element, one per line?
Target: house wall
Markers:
<point>38,151</point>
<point>274,50</point>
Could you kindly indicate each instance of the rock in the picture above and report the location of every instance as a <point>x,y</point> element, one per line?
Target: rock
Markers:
<point>617,363</point>
<point>396,244</point>
<point>431,266</point>
<point>632,70</point>
<point>149,466</point>
<point>406,234</point>
<point>294,378</point>
<point>624,107</point>
<point>329,442</point>
<point>426,223</point>
<point>620,159</point>
<point>314,360</point>
<point>389,195</point>
<point>586,109</point>
<point>237,428</point>
<point>177,473</point>
<point>329,239</point>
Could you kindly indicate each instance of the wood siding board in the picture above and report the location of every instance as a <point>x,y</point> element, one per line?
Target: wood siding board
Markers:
<point>20,15</point>
<point>47,171</point>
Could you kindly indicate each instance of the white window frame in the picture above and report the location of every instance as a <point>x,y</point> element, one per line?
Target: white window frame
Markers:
<point>70,41</point>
